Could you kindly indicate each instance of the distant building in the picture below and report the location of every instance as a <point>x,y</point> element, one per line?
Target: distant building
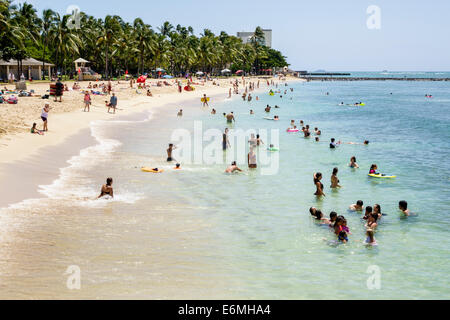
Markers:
<point>247,36</point>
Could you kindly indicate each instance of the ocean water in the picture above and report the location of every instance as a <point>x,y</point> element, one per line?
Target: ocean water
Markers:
<point>199,233</point>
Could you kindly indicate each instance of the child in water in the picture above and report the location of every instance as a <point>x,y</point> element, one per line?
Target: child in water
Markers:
<point>342,237</point>
<point>373,169</point>
<point>370,238</point>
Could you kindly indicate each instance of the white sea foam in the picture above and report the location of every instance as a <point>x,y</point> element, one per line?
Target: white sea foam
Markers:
<point>73,186</point>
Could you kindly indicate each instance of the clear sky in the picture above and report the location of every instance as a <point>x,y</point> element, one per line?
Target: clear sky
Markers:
<point>315,34</point>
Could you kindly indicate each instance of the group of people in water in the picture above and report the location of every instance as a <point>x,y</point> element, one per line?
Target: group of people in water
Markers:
<point>337,223</point>
<point>372,218</point>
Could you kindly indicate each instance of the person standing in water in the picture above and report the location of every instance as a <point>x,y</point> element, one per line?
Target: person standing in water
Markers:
<point>251,159</point>
<point>230,117</point>
<point>225,141</point>
<point>180,113</point>
<point>169,152</point>
<point>107,189</point>
<point>353,163</point>
<point>403,206</point>
<point>334,179</point>
<point>319,185</point>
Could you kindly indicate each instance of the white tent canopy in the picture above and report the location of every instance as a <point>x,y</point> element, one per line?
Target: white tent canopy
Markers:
<point>81,60</point>
<point>226,71</point>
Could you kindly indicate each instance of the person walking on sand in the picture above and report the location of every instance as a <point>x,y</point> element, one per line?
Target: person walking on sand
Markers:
<point>87,101</point>
<point>107,189</point>
<point>112,103</point>
<point>44,116</point>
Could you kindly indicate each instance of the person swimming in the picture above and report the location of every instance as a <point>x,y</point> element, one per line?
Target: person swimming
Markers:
<point>372,221</point>
<point>333,217</point>
<point>319,217</point>
<point>403,207</point>
<point>342,237</point>
<point>353,163</point>
<point>233,168</point>
<point>368,213</point>
<point>180,113</point>
<point>358,206</point>
<point>377,210</point>
<point>312,211</point>
<point>177,167</point>
<point>107,189</point>
<point>333,143</point>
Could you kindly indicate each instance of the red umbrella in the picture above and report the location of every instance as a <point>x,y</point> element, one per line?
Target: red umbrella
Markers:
<point>141,79</point>
<point>239,71</point>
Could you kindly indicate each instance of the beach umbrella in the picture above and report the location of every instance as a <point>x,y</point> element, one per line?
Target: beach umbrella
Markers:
<point>159,70</point>
<point>199,73</point>
<point>141,79</point>
<point>239,71</point>
<point>225,71</point>
<point>167,77</point>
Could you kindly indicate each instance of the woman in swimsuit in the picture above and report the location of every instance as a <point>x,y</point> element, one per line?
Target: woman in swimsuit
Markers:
<point>334,179</point>
<point>107,189</point>
<point>377,210</point>
<point>373,169</point>
<point>319,185</point>
<point>353,163</point>
<point>372,221</point>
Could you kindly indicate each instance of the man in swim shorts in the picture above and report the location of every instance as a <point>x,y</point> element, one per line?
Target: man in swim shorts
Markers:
<point>230,117</point>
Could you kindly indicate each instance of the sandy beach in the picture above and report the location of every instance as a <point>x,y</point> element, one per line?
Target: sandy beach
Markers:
<point>26,154</point>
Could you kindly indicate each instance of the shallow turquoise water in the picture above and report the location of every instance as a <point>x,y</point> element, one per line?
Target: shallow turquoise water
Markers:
<point>272,246</point>
<point>199,233</point>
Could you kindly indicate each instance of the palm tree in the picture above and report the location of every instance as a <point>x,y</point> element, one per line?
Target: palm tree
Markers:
<point>48,19</point>
<point>65,41</point>
<point>144,40</point>
<point>109,30</point>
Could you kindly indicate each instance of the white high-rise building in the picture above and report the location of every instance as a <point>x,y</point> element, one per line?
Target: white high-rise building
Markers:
<point>246,36</point>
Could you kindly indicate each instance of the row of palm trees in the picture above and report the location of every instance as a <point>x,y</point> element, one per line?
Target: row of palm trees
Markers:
<point>115,46</point>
